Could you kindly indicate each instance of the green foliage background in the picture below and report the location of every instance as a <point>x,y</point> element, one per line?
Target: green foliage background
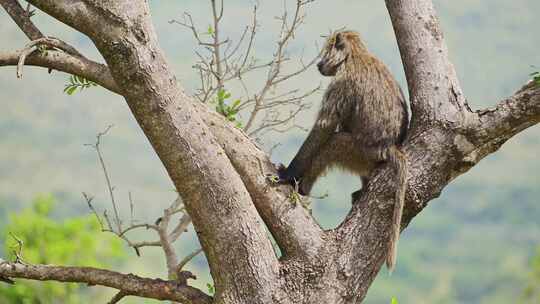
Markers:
<point>475,244</point>
<point>532,292</point>
<point>76,241</point>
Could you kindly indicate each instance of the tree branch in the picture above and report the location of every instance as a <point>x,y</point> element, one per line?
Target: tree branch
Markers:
<point>184,222</point>
<point>21,18</point>
<point>171,258</point>
<point>71,62</point>
<point>233,63</point>
<point>74,14</point>
<point>433,85</point>
<point>492,127</point>
<point>187,259</point>
<point>295,230</point>
<point>128,284</point>
<point>511,115</point>
<point>60,61</point>
<point>117,297</point>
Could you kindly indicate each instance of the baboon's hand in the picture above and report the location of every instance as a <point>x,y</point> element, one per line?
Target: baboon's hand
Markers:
<point>285,176</point>
<point>276,179</point>
<point>288,176</point>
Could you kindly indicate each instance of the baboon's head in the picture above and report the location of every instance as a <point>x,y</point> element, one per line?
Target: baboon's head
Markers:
<point>338,49</point>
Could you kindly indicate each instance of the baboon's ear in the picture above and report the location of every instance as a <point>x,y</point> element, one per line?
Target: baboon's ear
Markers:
<point>340,42</point>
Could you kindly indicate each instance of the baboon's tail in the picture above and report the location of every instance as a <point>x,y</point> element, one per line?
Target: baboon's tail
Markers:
<point>399,162</point>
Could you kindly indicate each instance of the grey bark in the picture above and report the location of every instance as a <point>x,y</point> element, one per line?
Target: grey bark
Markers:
<point>21,18</point>
<point>130,284</point>
<point>220,173</point>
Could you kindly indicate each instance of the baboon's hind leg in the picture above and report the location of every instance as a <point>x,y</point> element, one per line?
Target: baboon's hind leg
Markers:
<point>340,151</point>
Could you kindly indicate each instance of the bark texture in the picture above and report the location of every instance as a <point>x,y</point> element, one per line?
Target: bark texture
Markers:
<point>221,174</point>
<point>130,284</point>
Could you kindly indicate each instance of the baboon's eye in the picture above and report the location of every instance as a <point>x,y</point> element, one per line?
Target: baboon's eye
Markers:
<point>339,44</point>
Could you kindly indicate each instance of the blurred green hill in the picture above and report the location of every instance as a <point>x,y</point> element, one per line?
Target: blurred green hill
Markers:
<point>472,245</point>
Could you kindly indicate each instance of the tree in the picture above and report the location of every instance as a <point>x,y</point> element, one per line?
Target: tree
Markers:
<point>221,174</point>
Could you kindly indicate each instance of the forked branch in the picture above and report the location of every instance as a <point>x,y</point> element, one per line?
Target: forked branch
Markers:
<point>117,226</point>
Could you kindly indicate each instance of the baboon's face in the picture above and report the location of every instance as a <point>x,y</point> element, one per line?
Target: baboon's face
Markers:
<point>334,54</point>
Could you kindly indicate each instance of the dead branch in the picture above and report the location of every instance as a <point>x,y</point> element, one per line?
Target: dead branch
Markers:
<point>161,226</point>
<point>127,284</point>
<point>217,67</point>
<point>110,188</point>
<point>187,259</point>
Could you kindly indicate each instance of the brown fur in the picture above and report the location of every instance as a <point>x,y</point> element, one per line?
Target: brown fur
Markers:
<point>362,122</point>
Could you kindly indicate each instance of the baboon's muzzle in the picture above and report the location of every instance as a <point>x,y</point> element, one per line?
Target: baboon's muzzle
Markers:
<point>323,69</point>
<point>320,66</point>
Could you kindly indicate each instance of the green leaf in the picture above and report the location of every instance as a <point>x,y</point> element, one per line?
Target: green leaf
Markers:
<point>394,301</point>
<point>210,30</point>
<point>211,289</point>
<point>78,82</point>
<point>71,90</point>
<point>221,94</point>
<point>229,110</point>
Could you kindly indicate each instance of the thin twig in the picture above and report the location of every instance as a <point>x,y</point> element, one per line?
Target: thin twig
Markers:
<point>166,243</point>
<point>188,258</point>
<point>184,222</point>
<point>110,188</point>
<point>217,67</point>
<point>131,208</point>
<point>117,297</point>
<point>93,209</point>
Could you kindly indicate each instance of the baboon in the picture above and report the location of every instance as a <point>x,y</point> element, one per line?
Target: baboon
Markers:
<point>361,124</point>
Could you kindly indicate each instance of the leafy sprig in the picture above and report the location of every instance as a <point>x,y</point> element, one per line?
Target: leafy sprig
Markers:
<point>211,289</point>
<point>229,109</point>
<point>78,83</point>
